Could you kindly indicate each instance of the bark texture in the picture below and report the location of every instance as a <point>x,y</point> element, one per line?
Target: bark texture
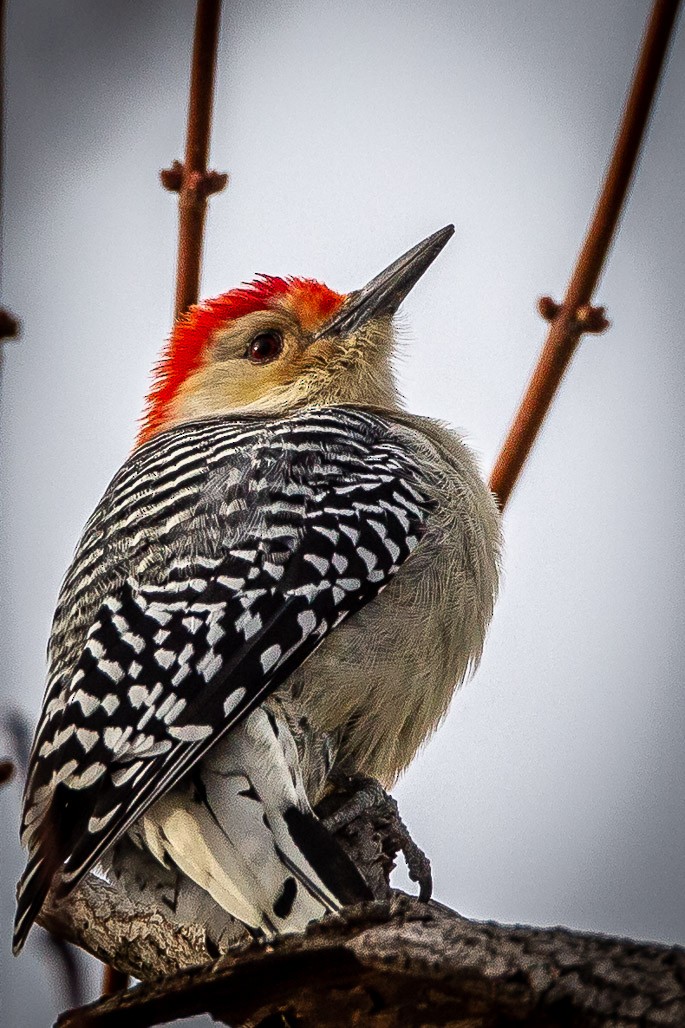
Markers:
<point>400,962</point>
<point>134,939</point>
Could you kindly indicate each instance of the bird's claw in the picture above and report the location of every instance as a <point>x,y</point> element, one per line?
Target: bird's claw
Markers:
<point>364,795</point>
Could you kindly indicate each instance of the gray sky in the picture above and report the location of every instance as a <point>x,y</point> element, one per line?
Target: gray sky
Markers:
<point>553,792</point>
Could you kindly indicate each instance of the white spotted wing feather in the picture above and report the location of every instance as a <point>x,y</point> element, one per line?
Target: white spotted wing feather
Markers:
<point>221,556</point>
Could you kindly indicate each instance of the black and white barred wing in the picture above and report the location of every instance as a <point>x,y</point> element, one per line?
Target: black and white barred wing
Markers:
<point>169,666</point>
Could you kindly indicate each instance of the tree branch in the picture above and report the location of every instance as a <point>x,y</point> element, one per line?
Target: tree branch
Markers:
<point>401,963</point>
<point>191,179</point>
<point>9,326</point>
<point>134,939</point>
<point>575,316</point>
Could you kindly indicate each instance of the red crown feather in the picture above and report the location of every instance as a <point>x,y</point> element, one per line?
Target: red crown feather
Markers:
<point>310,300</point>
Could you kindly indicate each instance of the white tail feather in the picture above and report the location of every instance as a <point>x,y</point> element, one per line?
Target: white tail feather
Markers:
<point>224,828</point>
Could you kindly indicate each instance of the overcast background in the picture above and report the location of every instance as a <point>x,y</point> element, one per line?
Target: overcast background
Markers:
<point>553,792</point>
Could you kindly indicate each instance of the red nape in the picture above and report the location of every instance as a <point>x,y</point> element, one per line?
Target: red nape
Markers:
<point>311,301</point>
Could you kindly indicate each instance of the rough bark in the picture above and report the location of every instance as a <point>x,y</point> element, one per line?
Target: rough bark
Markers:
<point>132,938</point>
<point>400,962</point>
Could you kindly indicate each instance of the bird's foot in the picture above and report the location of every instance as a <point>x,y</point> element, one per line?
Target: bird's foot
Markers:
<point>364,797</point>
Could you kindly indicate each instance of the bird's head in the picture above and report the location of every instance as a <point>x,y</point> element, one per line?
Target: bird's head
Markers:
<point>279,344</point>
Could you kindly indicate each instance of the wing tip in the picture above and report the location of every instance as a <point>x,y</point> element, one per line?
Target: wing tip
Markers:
<point>31,891</point>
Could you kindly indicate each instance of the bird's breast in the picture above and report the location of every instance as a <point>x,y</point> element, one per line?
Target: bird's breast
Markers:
<point>382,681</point>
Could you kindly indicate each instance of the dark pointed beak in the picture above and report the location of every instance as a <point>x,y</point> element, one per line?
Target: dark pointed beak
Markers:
<point>384,293</point>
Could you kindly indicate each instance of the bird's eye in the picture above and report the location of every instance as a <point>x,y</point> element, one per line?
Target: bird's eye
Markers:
<point>264,347</point>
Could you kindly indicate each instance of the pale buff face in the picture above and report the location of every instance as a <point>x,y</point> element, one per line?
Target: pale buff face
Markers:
<point>355,369</point>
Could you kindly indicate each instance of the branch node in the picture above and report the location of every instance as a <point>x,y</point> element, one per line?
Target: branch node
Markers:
<point>592,319</point>
<point>6,771</point>
<point>548,308</point>
<point>585,319</point>
<point>172,178</point>
<point>210,182</point>
<point>201,183</point>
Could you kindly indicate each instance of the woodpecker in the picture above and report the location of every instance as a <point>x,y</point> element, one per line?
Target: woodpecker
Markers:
<point>289,577</point>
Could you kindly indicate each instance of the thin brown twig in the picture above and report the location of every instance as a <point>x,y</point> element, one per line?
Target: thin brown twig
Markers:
<point>191,179</point>
<point>113,980</point>
<point>9,326</point>
<point>6,771</point>
<point>576,315</point>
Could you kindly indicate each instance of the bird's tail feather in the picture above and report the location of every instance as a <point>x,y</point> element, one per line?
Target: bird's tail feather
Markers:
<point>242,829</point>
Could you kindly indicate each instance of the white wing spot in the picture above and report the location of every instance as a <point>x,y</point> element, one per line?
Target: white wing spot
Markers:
<point>349,584</point>
<point>96,824</point>
<point>192,624</point>
<point>165,706</point>
<point>209,665</point>
<point>159,613</point>
<point>379,528</point>
<point>87,738</point>
<point>165,658</point>
<point>191,733</point>
<point>307,622</point>
<point>248,624</point>
<point>392,549</point>
<point>95,647</point>
<point>351,532</point>
<point>122,775</point>
<point>319,563</point>
<point>88,703</point>
<point>66,771</point>
<point>114,735</point>
<point>215,633</point>
<point>368,557</point>
<point>330,533</point>
<point>112,669</point>
<point>339,562</point>
<point>88,777</point>
<point>137,695</point>
<point>232,701</point>
<point>182,673</point>
<point>270,657</point>
<point>235,584</point>
<point>110,703</point>
<point>178,708</point>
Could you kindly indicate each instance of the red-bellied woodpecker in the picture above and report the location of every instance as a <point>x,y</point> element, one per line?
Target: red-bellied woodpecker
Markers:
<point>289,575</point>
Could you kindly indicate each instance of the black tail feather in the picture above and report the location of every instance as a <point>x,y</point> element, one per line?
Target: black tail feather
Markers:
<point>325,854</point>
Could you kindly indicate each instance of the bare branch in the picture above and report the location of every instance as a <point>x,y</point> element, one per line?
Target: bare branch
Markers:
<point>113,980</point>
<point>401,963</point>
<point>9,326</point>
<point>193,182</point>
<point>575,316</point>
